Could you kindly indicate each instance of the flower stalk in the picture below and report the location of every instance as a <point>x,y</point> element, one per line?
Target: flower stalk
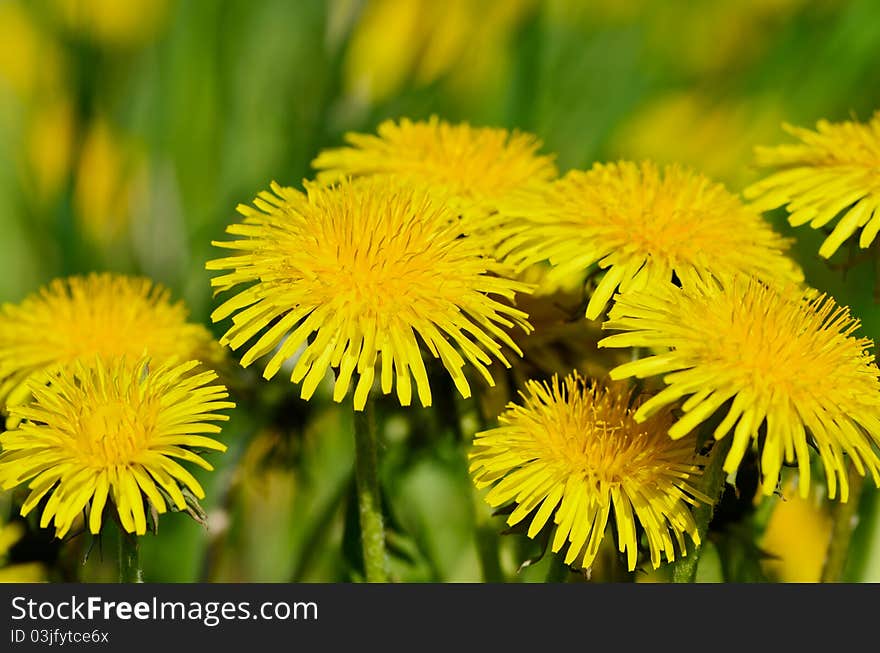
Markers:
<point>844,523</point>
<point>369,496</point>
<point>684,570</point>
<point>129,558</point>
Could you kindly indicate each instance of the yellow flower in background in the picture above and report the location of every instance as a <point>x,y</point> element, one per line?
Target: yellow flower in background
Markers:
<point>698,38</point>
<point>30,61</point>
<point>832,173</point>
<point>400,42</point>
<point>715,37</point>
<point>49,146</point>
<point>714,136</point>
<point>470,168</point>
<point>108,171</point>
<point>111,22</point>
<point>113,430</point>
<point>99,314</point>
<point>573,450</point>
<point>26,572</point>
<point>642,226</point>
<point>796,536</point>
<point>359,271</point>
<point>787,361</point>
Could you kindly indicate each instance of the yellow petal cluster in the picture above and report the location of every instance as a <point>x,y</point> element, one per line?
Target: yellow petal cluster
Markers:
<point>113,432</point>
<point>358,275</point>
<point>644,227</point>
<point>783,365</point>
<point>829,176</point>
<point>573,451</point>
<point>80,317</point>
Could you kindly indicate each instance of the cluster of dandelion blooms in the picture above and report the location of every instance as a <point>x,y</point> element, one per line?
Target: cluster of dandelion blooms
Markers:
<point>786,359</point>
<point>100,314</point>
<point>573,450</point>
<point>113,431</point>
<point>831,173</point>
<point>643,226</point>
<point>374,270</point>
<point>413,243</point>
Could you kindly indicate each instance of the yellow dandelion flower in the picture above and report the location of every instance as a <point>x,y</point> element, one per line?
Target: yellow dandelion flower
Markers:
<point>365,266</point>
<point>23,572</point>
<point>786,359</point>
<point>574,450</point>
<point>99,314</point>
<point>111,430</point>
<point>643,226</point>
<point>470,168</point>
<point>831,173</point>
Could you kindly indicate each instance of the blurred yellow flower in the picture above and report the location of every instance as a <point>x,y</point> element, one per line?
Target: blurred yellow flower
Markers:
<point>796,537</point>
<point>100,314</point>
<point>716,137</point>
<point>30,61</point>
<point>831,173</point>
<point>113,22</point>
<point>396,42</point>
<point>108,172</point>
<point>699,38</point>
<point>49,144</point>
<point>26,572</point>
<point>359,270</point>
<point>643,226</point>
<point>785,359</point>
<point>713,37</point>
<point>113,430</point>
<point>573,450</point>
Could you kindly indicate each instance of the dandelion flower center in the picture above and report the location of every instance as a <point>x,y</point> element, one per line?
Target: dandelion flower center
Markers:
<point>643,226</point>
<point>575,451</point>
<point>114,433</point>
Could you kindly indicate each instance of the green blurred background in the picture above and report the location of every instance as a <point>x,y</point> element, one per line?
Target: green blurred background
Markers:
<point>131,129</point>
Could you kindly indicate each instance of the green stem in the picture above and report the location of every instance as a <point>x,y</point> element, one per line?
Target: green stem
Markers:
<point>487,542</point>
<point>684,570</point>
<point>129,558</point>
<point>486,536</point>
<point>369,502</point>
<point>558,571</point>
<point>842,529</point>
